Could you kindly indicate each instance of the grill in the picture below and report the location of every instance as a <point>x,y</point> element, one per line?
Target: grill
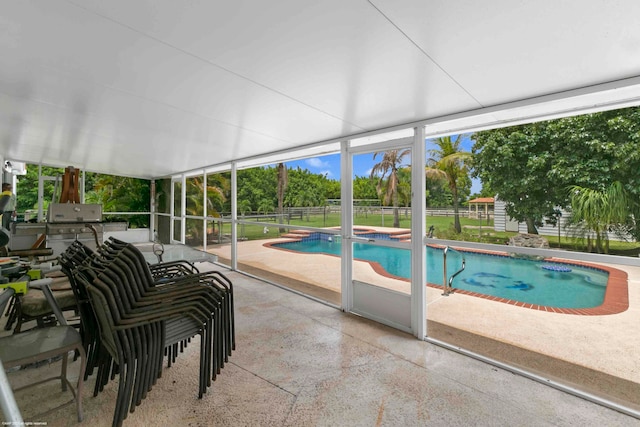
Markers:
<point>67,222</point>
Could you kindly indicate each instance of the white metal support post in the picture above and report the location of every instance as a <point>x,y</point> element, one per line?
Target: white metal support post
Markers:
<point>152,210</point>
<point>183,209</point>
<point>234,216</point>
<point>204,210</point>
<point>40,195</point>
<point>172,211</point>
<point>346,211</point>
<point>10,409</point>
<point>418,233</point>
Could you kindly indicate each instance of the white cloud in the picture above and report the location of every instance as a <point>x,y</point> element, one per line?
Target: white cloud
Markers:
<point>316,163</point>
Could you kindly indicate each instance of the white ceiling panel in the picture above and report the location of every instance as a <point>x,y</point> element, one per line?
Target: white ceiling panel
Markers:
<point>504,50</point>
<point>154,88</point>
<point>332,55</point>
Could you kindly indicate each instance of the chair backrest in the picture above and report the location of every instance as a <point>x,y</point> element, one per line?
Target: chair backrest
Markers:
<point>99,304</point>
<point>76,255</point>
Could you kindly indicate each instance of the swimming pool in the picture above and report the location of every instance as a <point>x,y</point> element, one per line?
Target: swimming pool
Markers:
<point>541,283</point>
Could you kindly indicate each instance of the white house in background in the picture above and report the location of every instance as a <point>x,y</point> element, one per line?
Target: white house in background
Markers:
<point>502,222</point>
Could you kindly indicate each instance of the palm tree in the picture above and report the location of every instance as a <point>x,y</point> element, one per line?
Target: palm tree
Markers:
<point>265,206</point>
<point>599,210</point>
<point>243,207</point>
<point>283,181</point>
<point>449,163</point>
<point>218,190</point>
<point>388,188</point>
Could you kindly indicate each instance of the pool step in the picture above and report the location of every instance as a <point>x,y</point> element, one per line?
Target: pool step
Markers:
<point>296,234</point>
<point>405,238</point>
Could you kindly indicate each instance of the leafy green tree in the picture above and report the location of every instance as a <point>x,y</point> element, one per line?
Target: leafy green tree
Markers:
<point>515,162</point>
<point>120,194</point>
<point>333,189</point>
<point>306,189</point>
<point>27,187</point>
<point>260,187</point>
<point>438,193</point>
<point>447,162</point>
<point>531,166</point>
<point>256,185</point>
<point>364,191</point>
<point>485,191</point>
<point>103,196</point>
<point>364,188</point>
<point>385,173</point>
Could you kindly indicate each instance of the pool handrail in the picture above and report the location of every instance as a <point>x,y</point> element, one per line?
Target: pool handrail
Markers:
<point>448,288</point>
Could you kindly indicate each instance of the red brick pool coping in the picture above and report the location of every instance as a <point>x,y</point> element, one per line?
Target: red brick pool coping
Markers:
<point>616,297</point>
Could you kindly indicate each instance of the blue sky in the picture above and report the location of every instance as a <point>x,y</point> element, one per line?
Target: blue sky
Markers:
<point>362,164</point>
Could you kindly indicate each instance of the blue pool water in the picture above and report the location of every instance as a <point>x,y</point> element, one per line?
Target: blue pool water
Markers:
<point>536,282</point>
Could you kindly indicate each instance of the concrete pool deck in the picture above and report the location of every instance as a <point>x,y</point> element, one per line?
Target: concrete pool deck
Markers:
<point>605,346</point>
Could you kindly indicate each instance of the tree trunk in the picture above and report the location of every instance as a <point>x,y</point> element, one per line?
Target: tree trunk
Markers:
<point>396,211</point>
<point>324,216</point>
<point>531,226</point>
<point>283,181</point>
<point>456,214</point>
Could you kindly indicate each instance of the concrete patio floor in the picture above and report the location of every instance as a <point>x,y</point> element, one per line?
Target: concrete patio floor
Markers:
<point>302,363</point>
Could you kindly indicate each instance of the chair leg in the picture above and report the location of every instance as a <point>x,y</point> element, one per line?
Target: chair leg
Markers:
<point>83,365</point>
<point>63,373</point>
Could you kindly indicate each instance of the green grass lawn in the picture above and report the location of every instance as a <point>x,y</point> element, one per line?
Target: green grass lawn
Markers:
<point>441,225</point>
<point>475,231</point>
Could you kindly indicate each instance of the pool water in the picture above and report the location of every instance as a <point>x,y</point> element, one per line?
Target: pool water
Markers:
<point>537,282</point>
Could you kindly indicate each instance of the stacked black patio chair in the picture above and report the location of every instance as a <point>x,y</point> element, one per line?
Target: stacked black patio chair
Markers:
<point>141,317</point>
<point>73,257</point>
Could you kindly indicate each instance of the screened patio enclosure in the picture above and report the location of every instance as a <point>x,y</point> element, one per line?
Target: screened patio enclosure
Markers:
<point>180,94</point>
<point>545,343</point>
